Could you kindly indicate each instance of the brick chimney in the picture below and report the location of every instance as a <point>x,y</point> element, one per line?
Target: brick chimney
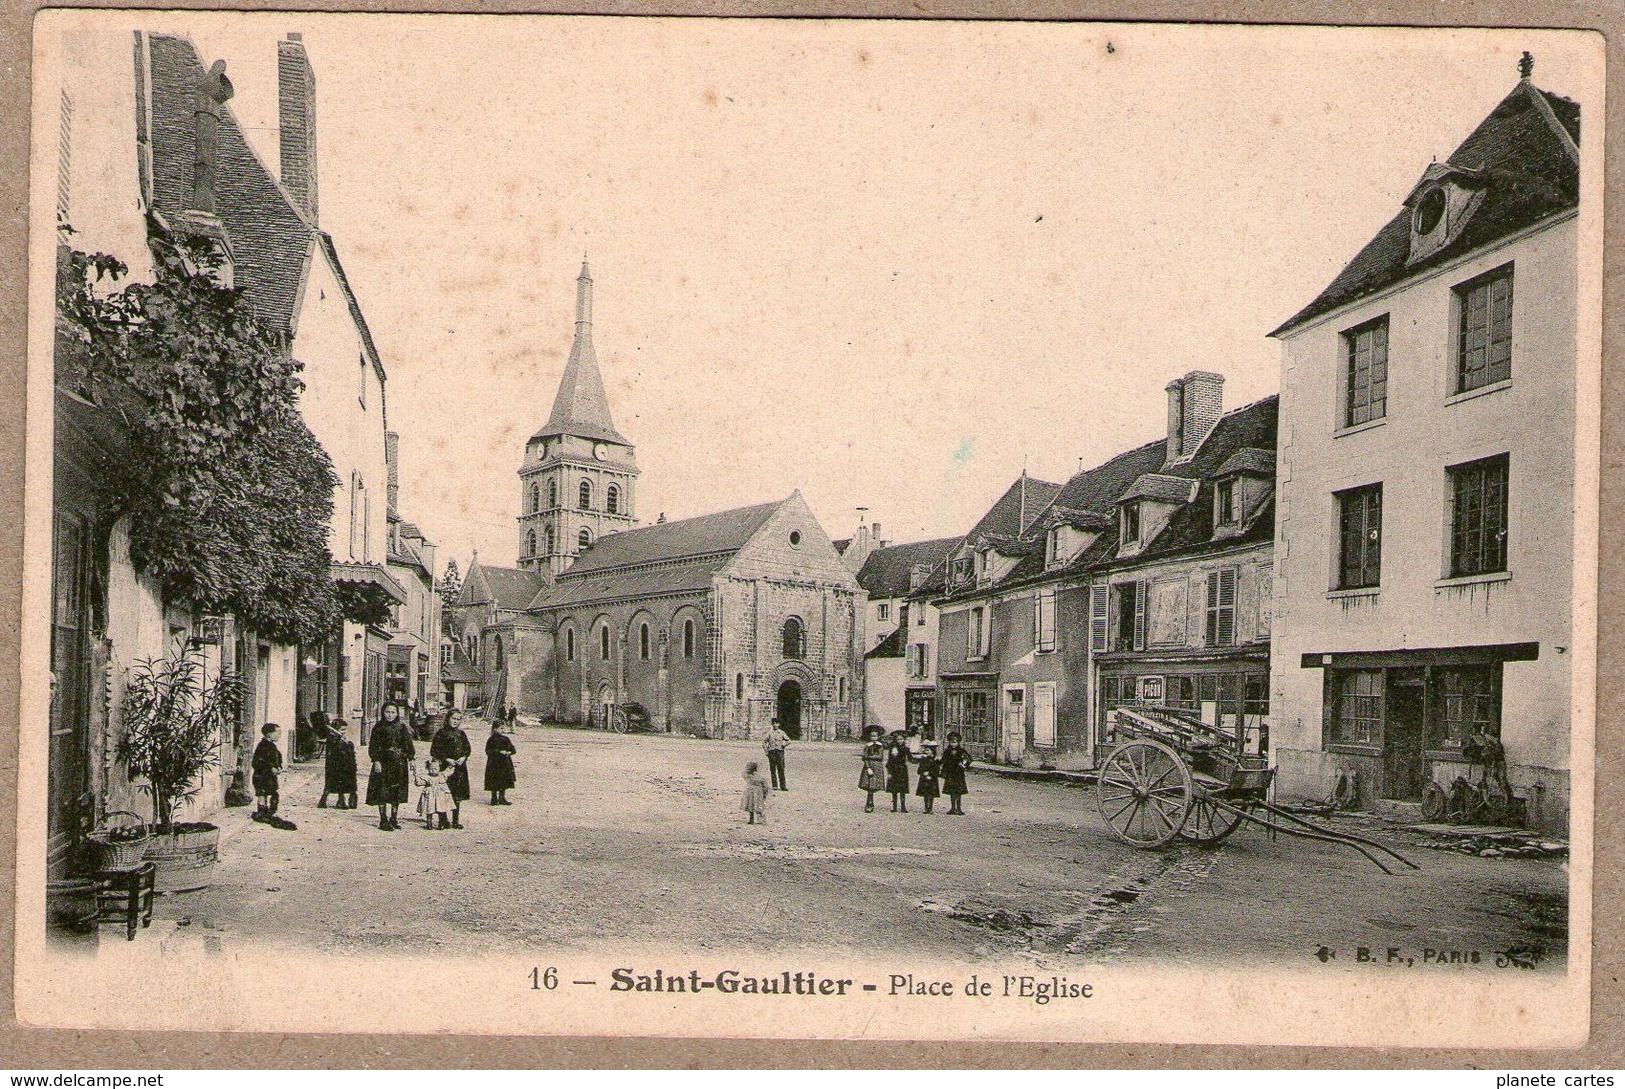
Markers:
<point>296,106</point>
<point>1195,403</point>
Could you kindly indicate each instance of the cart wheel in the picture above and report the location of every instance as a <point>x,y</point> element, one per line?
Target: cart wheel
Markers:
<point>1209,823</point>
<point>1144,793</point>
<point>1434,801</point>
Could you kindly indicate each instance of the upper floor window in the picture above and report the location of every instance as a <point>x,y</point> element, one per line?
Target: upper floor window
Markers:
<point>1130,525</point>
<point>1484,340</point>
<point>976,633</point>
<point>919,660</point>
<point>550,540</point>
<point>883,611</point>
<point>1131,615</point>
<point>535,498</point>
<point>1221,608</point>
<point>1365,372</point>
<point>1052,547</point>
<point>530,542</point>
<point>569,644</point>
<point>795,638</point>
<point>1044,620</point>
<point>584,539</point>
<point>1359,534</point>
<point>1478,517</point>
<point>584,496</point>
<point>612,499</point>
<point>445,654</point>
<point>1225,512</point>
<point>603,642</point>
<point>643,642</point>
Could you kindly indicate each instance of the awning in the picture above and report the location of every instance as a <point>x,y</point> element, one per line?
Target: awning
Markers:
<point>1420,656</point>
<point>367,574</point>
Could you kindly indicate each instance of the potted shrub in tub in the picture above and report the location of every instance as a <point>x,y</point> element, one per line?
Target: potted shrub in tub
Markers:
<point>173,721</point>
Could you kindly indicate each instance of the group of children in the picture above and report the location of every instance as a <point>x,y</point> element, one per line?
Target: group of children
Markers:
<point>439,795</point>
<point>886,767</point>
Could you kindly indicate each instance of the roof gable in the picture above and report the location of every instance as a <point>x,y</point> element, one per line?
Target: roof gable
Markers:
<point>1527,153</point>
<point>889,571</point>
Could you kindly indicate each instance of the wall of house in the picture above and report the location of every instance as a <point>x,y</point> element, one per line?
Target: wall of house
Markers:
<point>1531,417</point>
<point>92,118</point>
<point>884,683</point>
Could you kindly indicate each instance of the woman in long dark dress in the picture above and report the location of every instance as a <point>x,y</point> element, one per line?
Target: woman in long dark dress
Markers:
<point>451,746</point>
<point>391,750</point>
<point>897,757</point>
<point>499,777</point>
<point>955,759</point>
<point>340,771</point>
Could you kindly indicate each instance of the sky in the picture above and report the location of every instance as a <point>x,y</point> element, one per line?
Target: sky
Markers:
<point>890,264</point>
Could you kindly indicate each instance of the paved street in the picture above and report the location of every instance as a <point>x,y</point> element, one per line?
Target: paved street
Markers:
<point>632,839</point>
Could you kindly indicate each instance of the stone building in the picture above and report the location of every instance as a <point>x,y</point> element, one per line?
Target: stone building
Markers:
<point>710,626</point>
<point>902,625</point>
<point>1425,546</point>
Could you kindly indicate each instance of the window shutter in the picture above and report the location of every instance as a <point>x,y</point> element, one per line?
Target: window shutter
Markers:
<point>1097,619</point>
<point>1139,614</point>
<point>1226,626</point>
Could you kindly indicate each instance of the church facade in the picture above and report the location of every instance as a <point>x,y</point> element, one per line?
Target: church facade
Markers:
<point>712,626</point>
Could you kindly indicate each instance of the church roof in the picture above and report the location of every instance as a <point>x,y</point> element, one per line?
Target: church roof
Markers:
<point>581,407</point>
<point>684,576</point>
<point>1527,150</point>
<point>723,532</point>
<point>506,587</point>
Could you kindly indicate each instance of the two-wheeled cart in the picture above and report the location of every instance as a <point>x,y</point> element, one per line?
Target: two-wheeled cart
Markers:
<point>1169,776</point>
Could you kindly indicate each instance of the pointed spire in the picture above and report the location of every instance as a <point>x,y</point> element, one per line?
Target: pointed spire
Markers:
<point>581,407</point>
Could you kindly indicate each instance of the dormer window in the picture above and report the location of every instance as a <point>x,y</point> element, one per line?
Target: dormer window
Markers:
<point>1130,525</point>
<point>1225,511</point>
<point>1052,548</point>
<point>1429,212</point>
<point>1440,204</point>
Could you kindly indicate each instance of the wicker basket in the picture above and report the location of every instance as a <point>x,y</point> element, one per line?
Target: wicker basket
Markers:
<point>120,854</point>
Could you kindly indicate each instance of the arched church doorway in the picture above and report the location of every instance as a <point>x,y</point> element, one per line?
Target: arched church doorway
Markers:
<point>606,706</point>
<point>790,709</point>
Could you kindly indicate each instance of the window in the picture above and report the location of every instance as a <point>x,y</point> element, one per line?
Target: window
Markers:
<point>445,654</point>
<point>569,644</point>
<point>1099,618</point>
<point>1484,343</point>
<point>882,612</point>
<point>584,539</point>
<point>552,493</point>
<point>1224,504</point>
<point>1044,620</point>
<point>584,495</point>
<point>603,642</point>
<point>1356,706</point>
<point>1359,531</point>
<point>535,498</point>
<point>1221,607</point>
<point>919,660</point>
<point>842,696</point>
<point>967,714</point>
<point>1365,372</point>
<point>976,632</point>
<point>919,617</point>
<point>795,538</point>
<point>688,639</point>
<point>612,499</point>
<point>1478,517</point>
<point>643,642</point>
<point>1130,634</point>
<point>1130,525</point>
<point>496,653</point>
<point>739,686</point>
<point>530,542</point>
<point>1467,702</point>
<point>795,638</point>
<point>550,540</point>
<point>1052,547</point>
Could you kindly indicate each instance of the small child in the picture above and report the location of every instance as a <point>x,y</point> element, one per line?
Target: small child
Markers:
<point>435,801</point>
<point>755,793</point>
<point>930,769</point>
<point>340,771</point>
<point>267,765</point>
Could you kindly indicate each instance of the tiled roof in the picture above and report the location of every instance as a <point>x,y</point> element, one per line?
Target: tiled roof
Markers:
<point>1095,521</point>
<point>1015,510</point>
<point>270,241</point>
<point>1161,487</point>
<point>888,571</point>
<point>894,645</point>
<point>1249,459</point>
<point>724,531</point>
<point>581,407</point>
<point>510,588</point>
<point>614,585</point>
<point>1526,149</point>
<point>459,671</point>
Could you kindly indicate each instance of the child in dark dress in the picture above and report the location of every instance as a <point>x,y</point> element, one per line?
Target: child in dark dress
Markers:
<point>897,757</point>
<point>873,776</point>
<point>930,768</point>
<point>267,765</point>
<point>955,759</point>
<point>499,775</point>
<point>340,777</point>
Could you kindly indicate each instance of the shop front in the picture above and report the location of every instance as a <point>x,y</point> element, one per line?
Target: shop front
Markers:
<point>1230,691</point>
<point>969,707</point>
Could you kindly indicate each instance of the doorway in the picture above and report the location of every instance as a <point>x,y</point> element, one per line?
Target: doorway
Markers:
<point>1015,722</point>
<point>1404,733</point>
<point>789,709</point>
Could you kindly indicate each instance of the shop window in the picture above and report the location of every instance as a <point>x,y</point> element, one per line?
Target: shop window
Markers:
<point>1356,707</point>
<point>968,714</point>
<point>1466,702</point>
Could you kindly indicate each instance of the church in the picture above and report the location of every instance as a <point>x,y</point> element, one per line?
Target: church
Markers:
<point>711,626</point>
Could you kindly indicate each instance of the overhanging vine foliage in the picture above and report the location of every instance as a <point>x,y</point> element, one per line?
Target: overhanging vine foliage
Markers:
<point>229,494</point>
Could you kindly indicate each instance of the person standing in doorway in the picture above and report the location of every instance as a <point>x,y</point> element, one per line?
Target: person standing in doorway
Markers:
<point>499,777</point>
<point>873,776</point>
<point>451,747</point>
<point>391,749</point>
<point>897,756</point>
<point>775,744</point>
<point>955,759</point>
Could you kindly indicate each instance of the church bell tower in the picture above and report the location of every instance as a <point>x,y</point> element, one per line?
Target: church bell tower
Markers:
<point>577,480</point>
